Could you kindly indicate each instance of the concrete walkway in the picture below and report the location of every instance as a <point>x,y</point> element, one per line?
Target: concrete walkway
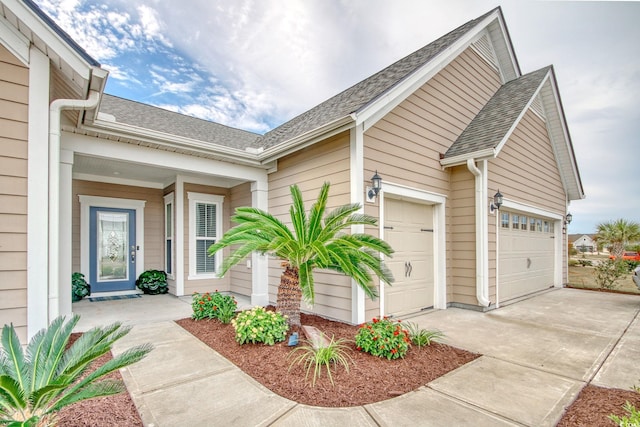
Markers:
<point>537,356</point>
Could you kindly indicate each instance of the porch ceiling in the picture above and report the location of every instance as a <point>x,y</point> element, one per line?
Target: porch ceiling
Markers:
<point>132,173</point>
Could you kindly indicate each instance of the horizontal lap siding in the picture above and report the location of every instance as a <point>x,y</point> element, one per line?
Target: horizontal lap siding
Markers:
<point>240,275</point>
<point>309,169</point>
<point>14,97</point>
<point>526,167</point>
<point>462,237</point>
<point>204,285</point>
<point>153,217</point>
<point>405,147</point>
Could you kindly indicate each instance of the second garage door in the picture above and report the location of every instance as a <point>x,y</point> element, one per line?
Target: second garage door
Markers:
<point>526,254</point>
<point>409,231</point>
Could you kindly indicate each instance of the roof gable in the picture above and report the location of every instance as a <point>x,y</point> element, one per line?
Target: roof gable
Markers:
<point>497,119</point>
<point>374,92</point>
<point>487,133</point>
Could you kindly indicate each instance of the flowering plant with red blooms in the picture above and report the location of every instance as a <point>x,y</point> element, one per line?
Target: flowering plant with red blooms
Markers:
<point>213,306</point>
<point>383,338</point>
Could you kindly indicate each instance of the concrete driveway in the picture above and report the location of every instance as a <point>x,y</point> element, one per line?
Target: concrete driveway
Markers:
<point>537,355</point>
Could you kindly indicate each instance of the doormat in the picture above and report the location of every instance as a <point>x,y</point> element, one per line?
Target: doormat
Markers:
<point>113,297</point>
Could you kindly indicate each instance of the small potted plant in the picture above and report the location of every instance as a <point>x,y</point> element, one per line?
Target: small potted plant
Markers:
<point>79,287</point>
<point>153,282</point>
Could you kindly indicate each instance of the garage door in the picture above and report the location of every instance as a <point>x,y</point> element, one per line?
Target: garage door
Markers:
<point>526,258</point>
<point>409,231</point>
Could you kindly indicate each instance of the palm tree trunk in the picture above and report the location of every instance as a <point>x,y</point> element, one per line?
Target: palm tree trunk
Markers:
<point>290,295</point>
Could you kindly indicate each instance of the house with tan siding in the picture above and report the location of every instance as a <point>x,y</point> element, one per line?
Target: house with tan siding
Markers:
<point>110,187</point>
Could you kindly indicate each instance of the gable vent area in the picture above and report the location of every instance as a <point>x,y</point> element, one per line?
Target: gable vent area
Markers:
<point>484,48</point>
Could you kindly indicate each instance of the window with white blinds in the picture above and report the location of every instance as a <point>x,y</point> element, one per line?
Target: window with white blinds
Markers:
<point>205,218</point>
<point>168,234</point>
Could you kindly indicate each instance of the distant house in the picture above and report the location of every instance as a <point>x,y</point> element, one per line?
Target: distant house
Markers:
<point>583,242</point>
<point>111,187</point>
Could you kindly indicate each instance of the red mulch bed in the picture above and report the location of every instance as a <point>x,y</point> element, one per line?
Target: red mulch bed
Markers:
<point>370,379</point>
<point>594,404</point>
<point>117,410</point>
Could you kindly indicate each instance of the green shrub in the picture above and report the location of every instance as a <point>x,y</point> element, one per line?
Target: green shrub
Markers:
<point>79,287</point>
<point>633,417</point>
<point>317,358</point>
<point>573,262</point>
<point>259,325</point>
<point>608,272</point>
<point>383,338</point>
<point>585,262</point>
<point>422,337</point>
<point>213,306</point>
<point>631,265</point>
<point>39,381</point>
<point>153,282</point>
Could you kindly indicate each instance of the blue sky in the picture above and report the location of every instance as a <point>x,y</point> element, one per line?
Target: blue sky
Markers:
<point>255,64</point>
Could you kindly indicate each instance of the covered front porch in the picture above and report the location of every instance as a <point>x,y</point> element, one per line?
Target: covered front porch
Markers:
<point>127,208</point>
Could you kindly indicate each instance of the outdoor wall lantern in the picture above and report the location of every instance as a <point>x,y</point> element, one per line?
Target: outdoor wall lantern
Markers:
<point>376,185</point>
<point>497,202</point>
<point>568,218</point>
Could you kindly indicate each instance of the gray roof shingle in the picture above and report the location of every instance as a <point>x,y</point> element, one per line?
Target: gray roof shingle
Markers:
<point>363,93</point>
<point>154,118</point>
<point>495,119</point>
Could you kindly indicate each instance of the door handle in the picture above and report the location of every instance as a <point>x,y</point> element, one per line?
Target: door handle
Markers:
<point>133,256</point>
<point>410,269</point>
<point>406,269</point>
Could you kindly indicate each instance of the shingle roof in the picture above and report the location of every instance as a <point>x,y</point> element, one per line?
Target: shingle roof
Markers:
<point>154,118</point>
<point>349,101</point>
<point>498,115</point>
<point>362,94</point>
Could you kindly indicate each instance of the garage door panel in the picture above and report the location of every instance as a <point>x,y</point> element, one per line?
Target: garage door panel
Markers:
<point>412,265</point>
<point>526,261</point>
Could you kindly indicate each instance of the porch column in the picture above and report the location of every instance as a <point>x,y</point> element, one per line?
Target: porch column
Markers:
<point>65,238</point>
<point>260,263</point>
<point>37,194</point>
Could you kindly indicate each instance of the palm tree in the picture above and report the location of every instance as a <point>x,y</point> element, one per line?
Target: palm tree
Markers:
<point>618,234</point>
<point>314,242</point>
<point>35,384</point>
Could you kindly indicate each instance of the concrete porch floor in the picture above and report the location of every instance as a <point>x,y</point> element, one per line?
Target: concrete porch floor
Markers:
<point>138,311</point>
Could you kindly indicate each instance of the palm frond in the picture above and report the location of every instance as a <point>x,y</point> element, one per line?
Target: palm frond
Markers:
<point>11,394</point>
<point>13,356</point>
<point>298,214</point>
<point>128,357</point>
<point>316,213</point>
<point>90,391</point>
<point>307,284</point>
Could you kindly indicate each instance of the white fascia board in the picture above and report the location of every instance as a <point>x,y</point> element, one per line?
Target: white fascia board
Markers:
<point>14,41</point>
<point>503,49</point>
<point>50,38</point>
<point>167,140</point>
<point>181,163</point>
<point>308,138</point>
<point>569,171</point>
<point>462,159</point>
<point>379,108</point>
<point>521,115</point>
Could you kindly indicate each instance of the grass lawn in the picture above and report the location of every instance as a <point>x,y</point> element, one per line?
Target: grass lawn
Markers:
<point>584,277</point>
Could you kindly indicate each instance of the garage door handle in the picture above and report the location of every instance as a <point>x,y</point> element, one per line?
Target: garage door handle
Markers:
<point>406,269</point>
<point>410,269</point>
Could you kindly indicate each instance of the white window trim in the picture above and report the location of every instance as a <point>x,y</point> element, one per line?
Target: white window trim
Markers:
<point>203,198</point>
<point>169,199</point>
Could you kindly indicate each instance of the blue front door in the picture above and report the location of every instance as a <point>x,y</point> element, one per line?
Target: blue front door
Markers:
<point>112,249</point>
